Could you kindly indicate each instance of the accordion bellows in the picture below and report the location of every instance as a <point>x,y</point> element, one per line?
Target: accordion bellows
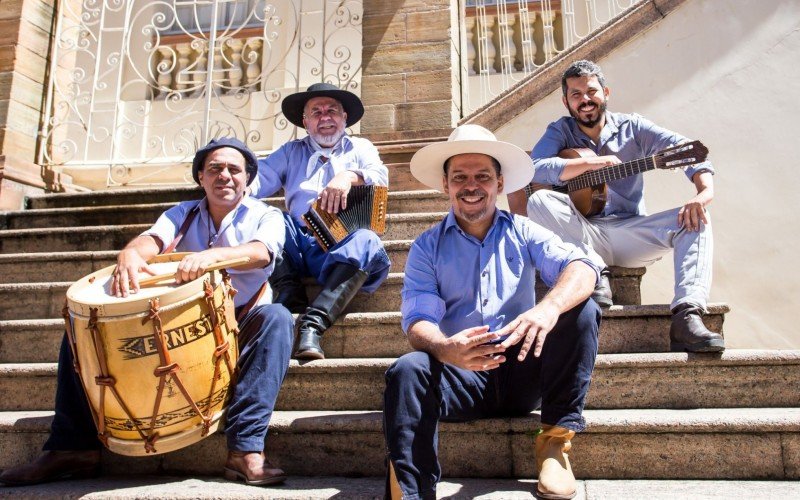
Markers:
<point>366,209</point>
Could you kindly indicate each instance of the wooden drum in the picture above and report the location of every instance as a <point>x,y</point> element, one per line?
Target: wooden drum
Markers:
<point>157,366</point>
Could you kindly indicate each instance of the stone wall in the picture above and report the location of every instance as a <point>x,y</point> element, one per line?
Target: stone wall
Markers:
<point>410,71</point>
<point>25,27</point>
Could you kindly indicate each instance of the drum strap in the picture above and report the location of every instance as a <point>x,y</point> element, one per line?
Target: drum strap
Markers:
<point>70,336</point>
<point>184,227</point>
<point>252,302</point>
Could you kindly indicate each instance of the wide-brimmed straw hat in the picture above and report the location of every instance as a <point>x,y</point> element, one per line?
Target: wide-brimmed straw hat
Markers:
<point>427,165</point>
<point>293,105</point>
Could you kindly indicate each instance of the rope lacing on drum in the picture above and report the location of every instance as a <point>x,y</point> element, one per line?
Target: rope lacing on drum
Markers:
<point>105,381</point>
<point>166,368</point>
<point>222,350</point>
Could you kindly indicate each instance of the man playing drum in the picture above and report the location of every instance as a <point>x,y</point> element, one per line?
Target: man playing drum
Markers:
<point>225,225</point>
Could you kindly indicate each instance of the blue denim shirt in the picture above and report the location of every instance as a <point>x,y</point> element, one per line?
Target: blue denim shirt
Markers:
<point>629,137</point>
<point>289,167</point>
<point>456,281</point>
<point>251,220</point>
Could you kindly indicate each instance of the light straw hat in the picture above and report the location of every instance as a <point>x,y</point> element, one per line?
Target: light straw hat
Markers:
<point>427,164</point>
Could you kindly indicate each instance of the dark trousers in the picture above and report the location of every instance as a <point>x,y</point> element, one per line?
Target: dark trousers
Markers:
<point>421,391</point>
<point>265,345</point>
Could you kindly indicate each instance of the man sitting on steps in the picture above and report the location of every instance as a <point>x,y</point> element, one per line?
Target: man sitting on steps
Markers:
<point>622,234</point>
<point>323,165</point>
<point>484,346</point>
<point>225,225</point>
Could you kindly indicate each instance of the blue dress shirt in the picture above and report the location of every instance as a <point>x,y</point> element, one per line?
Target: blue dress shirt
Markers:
<point>628,137</point>
<point>456,281</point>
<point>303,172</point>
<point>251,220</point>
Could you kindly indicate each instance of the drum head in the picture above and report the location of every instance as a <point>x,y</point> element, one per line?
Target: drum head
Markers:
<point>94,291</point>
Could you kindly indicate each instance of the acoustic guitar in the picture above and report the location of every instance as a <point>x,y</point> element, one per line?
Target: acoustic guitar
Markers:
<point>589,192</point>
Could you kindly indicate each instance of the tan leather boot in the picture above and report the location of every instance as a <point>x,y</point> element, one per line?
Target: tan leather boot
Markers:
<point>253,468</point>
<point>556,480</point>
<point>393,491</point>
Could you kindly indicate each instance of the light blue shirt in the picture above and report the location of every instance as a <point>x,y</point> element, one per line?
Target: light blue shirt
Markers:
<point>251,220</point>
<point>456,281</point>
<point>628,137</point>
<point>303,172</point>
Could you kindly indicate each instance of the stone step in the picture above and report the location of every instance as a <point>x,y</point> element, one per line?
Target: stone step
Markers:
<point>43,267</point>
<point>624,329</point>
<point>147,213</point>
<point>112,237</point>
<point>650,380</point>
<point>162,486</point>
<point>400,179</point>
<point>713,443</point>
<point>45,300</point>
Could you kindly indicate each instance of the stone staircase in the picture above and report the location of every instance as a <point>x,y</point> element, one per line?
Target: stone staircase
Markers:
<point>652,414</point>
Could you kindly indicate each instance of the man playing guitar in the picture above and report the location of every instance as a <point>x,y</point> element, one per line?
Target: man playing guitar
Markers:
<point>622,234</point>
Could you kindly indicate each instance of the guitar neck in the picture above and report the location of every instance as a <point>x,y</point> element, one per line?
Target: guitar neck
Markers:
<point>611,173</point>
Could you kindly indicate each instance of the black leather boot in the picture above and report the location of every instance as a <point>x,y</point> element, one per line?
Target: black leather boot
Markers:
<point>341,286</point>
<point>602,290</point>
<point>688,333</point>
<point>286,285</point>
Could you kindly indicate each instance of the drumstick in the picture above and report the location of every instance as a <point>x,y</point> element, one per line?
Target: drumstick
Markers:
<point>152,280</point>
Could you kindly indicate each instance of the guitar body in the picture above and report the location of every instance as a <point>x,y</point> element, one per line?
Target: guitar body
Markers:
<point>589,192</point>
<point>589,201</point>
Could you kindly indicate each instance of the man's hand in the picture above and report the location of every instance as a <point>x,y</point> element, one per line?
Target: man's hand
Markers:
<point>692,214</point>
<point>598,162</point>
<point>533,325</point>
<point>468,349</point>
<point>194,265</point>
<point>125,279</point>
<point>334,196</point>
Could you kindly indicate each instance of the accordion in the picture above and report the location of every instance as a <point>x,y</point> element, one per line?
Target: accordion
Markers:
<point>366,209</point>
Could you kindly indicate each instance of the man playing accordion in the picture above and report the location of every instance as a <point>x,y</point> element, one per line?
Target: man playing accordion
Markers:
<point>322,166</point>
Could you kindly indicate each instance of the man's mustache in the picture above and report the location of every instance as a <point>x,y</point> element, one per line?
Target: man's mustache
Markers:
<point>467,192</point>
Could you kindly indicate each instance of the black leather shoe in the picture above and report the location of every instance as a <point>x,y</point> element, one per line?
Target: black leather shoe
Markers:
<point>602,291</point>
<point>54,466</point>
<point>689,333</point>
<point>308,339</point>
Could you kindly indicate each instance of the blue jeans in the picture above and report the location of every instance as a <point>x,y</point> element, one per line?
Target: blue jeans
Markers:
<point>362,249</point>
<point>265,345</point>
<point>421,391</point>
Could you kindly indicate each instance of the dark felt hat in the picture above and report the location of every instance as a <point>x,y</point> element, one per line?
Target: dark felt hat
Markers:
<point>225,142</point>
<point>293,105</point>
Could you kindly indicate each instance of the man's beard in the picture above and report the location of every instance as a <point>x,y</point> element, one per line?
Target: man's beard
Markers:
<point>327,140</point>
<point>474,216</point>
<point>590,123</point>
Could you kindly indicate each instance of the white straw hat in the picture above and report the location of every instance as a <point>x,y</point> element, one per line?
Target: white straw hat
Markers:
<point>427,164</point>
